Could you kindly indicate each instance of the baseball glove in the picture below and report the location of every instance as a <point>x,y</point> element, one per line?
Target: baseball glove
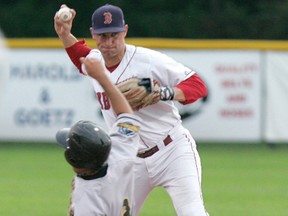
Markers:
<point>140,93</point>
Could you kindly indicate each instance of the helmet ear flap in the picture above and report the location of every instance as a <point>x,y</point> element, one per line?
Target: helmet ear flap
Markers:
<point>78,162</point>
<point>72,159</point>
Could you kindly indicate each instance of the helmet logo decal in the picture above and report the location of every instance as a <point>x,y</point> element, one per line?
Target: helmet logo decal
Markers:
<point>107,18</point>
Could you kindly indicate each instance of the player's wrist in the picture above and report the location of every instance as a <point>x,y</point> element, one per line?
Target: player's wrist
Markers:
<point>166,93</point>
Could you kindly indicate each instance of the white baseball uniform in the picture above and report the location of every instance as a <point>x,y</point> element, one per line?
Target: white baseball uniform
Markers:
<point>172,160</point>
<point>110,192</point>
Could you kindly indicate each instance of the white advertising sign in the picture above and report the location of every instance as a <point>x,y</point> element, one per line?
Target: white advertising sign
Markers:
<point>276,129</point>
<point>231,112</point>
<point>45,93</point>
<point>4,67</point>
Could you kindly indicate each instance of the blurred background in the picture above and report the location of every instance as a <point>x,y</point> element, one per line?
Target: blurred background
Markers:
<point>210,19</point>
<point>239,48</point>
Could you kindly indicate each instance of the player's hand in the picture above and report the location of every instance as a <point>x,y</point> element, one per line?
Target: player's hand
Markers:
<point>63,28</point>
<point>94,68</point>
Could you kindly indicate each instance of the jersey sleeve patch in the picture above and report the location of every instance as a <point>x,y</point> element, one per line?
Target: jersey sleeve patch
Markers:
<point>127,128</point>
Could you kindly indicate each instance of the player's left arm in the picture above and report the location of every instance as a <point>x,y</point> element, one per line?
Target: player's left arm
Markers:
<point>190,90</point>
<point>177,81</point>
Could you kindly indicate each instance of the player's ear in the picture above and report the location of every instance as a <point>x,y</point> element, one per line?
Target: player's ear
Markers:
<point>126,29</point>
<point>91,32</point>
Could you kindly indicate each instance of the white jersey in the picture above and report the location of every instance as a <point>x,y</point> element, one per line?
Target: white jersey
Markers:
<point>112,194</point>
<point>142,62</point>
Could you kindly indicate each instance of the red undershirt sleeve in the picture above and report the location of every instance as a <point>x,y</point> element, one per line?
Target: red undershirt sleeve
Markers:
<point>193,88</point>
<point>79,49</point>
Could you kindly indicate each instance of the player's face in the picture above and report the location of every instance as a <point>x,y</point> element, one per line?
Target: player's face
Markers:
<point>111,45</point>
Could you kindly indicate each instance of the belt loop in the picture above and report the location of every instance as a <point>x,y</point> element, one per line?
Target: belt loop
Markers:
<point>167,140</point>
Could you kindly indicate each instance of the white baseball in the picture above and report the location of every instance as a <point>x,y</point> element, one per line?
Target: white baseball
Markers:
<point>64,14</point>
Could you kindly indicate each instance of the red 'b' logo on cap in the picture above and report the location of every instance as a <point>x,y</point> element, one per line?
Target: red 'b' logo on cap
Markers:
<point>107,17</point>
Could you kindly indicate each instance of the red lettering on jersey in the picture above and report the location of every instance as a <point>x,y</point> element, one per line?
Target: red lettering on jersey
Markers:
<point>103,100</point>
<point>99,99</point>
<point>106,102</point>
<point>107,17</point>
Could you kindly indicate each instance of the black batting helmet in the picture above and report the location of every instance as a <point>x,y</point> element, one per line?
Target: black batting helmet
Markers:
<point>87,145</point>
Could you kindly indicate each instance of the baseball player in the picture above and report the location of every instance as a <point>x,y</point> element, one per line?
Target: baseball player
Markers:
<point>167,156</point>
<point>102,187</point>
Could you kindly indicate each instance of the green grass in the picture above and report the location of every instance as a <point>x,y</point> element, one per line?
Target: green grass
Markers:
<point>238,180</point>
<point>245,180</point>
<point>35,180</point>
